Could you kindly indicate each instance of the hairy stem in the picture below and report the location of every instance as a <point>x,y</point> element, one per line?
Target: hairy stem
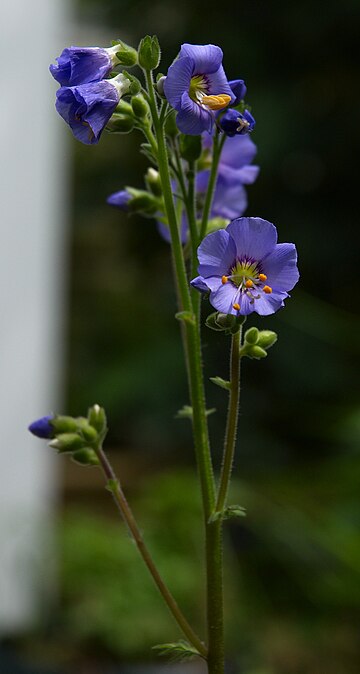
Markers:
<point>217,149</point>
<point>128,517</point>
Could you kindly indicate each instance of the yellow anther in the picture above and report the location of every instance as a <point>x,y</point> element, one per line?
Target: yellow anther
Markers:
<point>224,279</point>
<point>267,290</point>
<point>249,283</point>
<point>216,102</point>
<point>236,306</point>
<point>262,277</point>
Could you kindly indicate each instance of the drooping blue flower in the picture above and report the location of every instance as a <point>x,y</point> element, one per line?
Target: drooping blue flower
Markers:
<point>235,171</point>
<point>235,123</point>
<point>245,269</point>
<point>120,199</point>
<point>239,89</point>
<point>43,427</point>
<point>81,65</point>
<point>196,86</point>
<point>87,108</point>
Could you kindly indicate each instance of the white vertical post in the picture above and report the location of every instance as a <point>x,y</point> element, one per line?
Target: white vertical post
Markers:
<point>32,270</point>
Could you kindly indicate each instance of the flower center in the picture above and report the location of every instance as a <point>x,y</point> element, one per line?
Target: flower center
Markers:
<point>199,93</point>
<point>247,277</point>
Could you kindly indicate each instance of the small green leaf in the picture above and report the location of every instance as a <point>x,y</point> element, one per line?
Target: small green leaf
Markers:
<point>177,651</point>
<point>186,316</point>
<point>227,513</point>
<point>223,383</point>
<point>146,149</point>
<point>112,485</point>
<point>186,412</point>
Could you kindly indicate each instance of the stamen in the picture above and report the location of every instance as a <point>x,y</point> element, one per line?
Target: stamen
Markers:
<point>262,277</point>
<point>224,279</point>
<point>236,306</point>
<point>267,290</point>
<point>217,102</point>
<point>249,283</point>
<point>243,124</point>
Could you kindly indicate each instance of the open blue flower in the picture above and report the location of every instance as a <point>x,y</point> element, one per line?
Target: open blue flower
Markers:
<point>245,269</point>
<point>43,427</point>
<point>235,171</point>
<point>81,65</point>
<point>87,108</point>
<point>196,86</point>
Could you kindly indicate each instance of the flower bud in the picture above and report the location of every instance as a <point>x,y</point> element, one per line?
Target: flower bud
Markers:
<point>252,335</point>
<point>67,442</point>
<point>97,418</point>
<point>119,123</point>
<point>126,56</point>
<point>149,52</point>
<point>160,79</point>
<point>140,106</point>
<point>85,457</point>
<point>153,182</point>
<point>142,202</point>
<point>190,147</point>
<point>87,431</point>
<point>267,338</point>
<point>256,352</point>
<point>43,427</point>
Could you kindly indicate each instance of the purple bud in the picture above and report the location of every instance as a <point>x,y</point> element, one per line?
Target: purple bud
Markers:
<point>43,427</point>
<point>119,199</point>
<point>239,90</point>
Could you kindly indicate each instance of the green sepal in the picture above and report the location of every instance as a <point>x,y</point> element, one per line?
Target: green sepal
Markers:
<point>142,201</point>
<point>119,123</point>
<point>177,651</point>
<point>227,323</point>
<point>253,351</point>
<point>140,106</point>
<point>135,84</point>
<point>85,457</point>
<point>223,383</point>
<point>64,424</point>
<point>186,316</point>
<point>112,485</point>
<point>97,419</point>
<point>190,147</point>
<point>153,182</point>
<point>227,513</point>
<point>67,442</point>
<point>88,431</point>
<point>149,52</point>
<point>186,412</point>
<point>126,55</point>
<point>251,335</point>
<point>266,339</point>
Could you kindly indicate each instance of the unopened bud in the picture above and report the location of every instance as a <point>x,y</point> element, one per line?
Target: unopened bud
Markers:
<point>97,418</point>
<point>252,335</point>
<point>160,79</point>
<point>126,56</point>
<point>256,352</point>
<point>87,430</point>
<point>85,457</point>
<point>149,52</point>
<point>140,106</point>
<point>267,338</point>
<point>67,442</point>
<point>119,123</point>
<point>153,182</point>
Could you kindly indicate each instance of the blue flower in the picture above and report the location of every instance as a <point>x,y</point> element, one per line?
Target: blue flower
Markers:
<point>235,171</point>
<point>42,428</point>
<point>87,108</point>
<point>120,200</point>
<point>235,123</point>
<point>81,65</point>
<point>245,269</point>
<point>239,90</point>
<point>196,86</point>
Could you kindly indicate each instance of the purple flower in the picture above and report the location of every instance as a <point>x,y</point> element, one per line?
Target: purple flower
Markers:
<point>88,107</point>
<point>81,65</point>
<point>245,269</point>
<point>42,428</point>
<point>120,199</point>
<point>235,171</point>
<point>196,86</point>
<point>234,123</point>
<point>239,90</point>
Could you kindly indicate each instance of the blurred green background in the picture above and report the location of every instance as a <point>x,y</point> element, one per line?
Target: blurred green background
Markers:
<point>293,564</point>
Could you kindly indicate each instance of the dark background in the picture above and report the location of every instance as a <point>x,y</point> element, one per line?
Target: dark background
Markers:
<point>293,564</point>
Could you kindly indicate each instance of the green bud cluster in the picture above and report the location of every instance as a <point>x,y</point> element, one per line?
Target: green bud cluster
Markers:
<point>227,323</point>
<point>122,120</point>
<point>256,343</point>
<point>149,52</point>
<point>80,436</point>
<point>143,202</point>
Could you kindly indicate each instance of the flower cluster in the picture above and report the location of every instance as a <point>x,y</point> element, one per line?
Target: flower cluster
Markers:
<point>86,100</point>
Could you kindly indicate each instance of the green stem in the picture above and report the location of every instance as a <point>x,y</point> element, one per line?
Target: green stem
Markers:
<point>217,149</point>
<point>128,517</point>
<point>215,610</point>
<point>232,421</point>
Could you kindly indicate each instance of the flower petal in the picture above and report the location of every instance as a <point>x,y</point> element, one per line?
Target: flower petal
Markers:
<point>224,298</point>
<point>280,267</point>
<point>216,254</point>
<point>200,284</point>
<point>238,88</point>
<point>178,81</point>
<point>207,57</point>
<point>254,237</point>
<point>218,84</point>
<point>230,201</point>
<point>238,151</point>
<point>193,119</point>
